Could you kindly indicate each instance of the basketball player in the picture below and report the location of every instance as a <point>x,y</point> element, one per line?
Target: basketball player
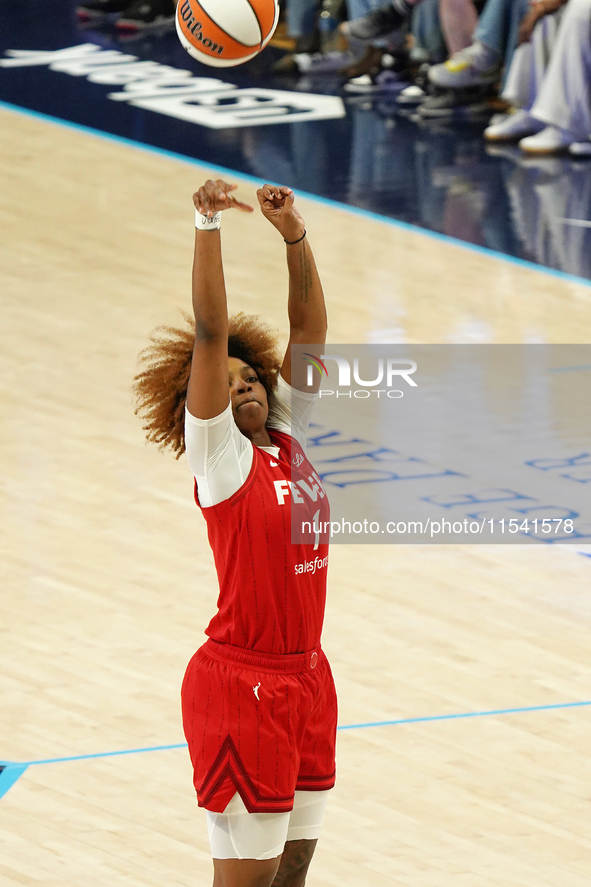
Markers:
<point>258,699</point>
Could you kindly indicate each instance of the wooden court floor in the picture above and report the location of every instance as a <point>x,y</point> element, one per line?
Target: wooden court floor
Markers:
<point>108,580</point>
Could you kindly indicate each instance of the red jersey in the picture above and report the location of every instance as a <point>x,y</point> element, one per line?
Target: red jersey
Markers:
<point>272,591</point>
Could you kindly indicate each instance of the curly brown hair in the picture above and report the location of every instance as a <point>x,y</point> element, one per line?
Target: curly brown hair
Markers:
<point>160,388</point>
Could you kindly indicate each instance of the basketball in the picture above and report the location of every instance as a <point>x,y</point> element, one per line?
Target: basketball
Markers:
<point>223,33</point>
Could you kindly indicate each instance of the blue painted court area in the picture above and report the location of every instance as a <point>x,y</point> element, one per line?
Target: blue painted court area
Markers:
<point>301,130</point>
<point>10,772</point>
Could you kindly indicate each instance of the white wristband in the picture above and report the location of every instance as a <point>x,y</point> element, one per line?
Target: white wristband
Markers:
<point>205,223</point>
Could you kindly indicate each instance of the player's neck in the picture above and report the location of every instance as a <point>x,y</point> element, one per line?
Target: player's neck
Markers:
<point>260,438</point>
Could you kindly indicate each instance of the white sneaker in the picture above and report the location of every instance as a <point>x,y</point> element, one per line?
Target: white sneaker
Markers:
<point>413,95</point>
<point>382,81</point>
<point>513,126</point>
<point>580,149</point>
<point>499,117</point>
<point>477,65</point>
<point>551,140</point>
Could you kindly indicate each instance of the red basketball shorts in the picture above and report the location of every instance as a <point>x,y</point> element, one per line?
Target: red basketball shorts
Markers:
<point>259,724</point>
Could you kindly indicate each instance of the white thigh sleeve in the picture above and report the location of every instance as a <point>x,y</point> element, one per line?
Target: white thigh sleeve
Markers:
<point>238,834</point>
<point>305,820</point>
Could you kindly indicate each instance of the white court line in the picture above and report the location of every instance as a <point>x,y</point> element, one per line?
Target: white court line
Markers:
<point>579,223</point>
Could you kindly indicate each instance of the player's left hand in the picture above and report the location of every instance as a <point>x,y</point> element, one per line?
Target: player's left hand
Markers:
<point>277,205</point>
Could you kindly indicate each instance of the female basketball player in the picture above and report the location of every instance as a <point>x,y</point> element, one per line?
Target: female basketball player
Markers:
<point>259,706</point>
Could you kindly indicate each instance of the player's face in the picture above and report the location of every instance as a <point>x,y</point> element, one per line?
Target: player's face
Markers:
<point>249,397</point>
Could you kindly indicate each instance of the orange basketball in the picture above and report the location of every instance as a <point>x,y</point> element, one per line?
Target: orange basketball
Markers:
<point>223,33</point>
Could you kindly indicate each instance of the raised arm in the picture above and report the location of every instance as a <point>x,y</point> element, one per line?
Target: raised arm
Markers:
<point>207,393</point>
<point>305,306</point>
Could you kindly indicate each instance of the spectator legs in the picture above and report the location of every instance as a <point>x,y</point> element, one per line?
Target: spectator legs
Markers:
<point>301,17</point>
<point>564,99</point>
<point>458,22</point>
<point>498,26</point>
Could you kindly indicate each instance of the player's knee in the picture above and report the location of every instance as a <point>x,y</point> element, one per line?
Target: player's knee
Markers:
<point>244,872</point>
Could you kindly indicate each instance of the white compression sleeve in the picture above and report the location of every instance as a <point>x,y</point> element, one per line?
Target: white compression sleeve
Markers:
<point>219,456</point>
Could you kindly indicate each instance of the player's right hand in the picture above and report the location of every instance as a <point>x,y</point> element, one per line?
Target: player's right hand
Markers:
<point>214,196</point>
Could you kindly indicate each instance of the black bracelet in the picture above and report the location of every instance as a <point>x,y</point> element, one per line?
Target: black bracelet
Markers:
<point>291,242</point>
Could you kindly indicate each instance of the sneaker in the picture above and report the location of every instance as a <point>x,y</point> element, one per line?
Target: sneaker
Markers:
<point>390,73</point>
<point>551,140</point>
<point>287,64</point>
<point>310,63</point>
<point>513,127</point>
<point>308,43</point>
<point>498,118</point>
<point>370,59</point>
<point>375,24</point>
<point>477,65</point>
<point>580,149</point>
<point>384,81</point>
<point>146,14</point>
<point>457,104</point>
<point>97,9</point>
<point>412,96</point>
<point>418,90</point>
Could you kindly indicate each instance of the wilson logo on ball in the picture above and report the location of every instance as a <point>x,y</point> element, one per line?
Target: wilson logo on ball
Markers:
<point>223,33</point>
<point>195,28</point>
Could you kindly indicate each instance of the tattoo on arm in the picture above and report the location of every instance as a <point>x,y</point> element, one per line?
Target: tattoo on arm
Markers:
<point>305,275</point>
